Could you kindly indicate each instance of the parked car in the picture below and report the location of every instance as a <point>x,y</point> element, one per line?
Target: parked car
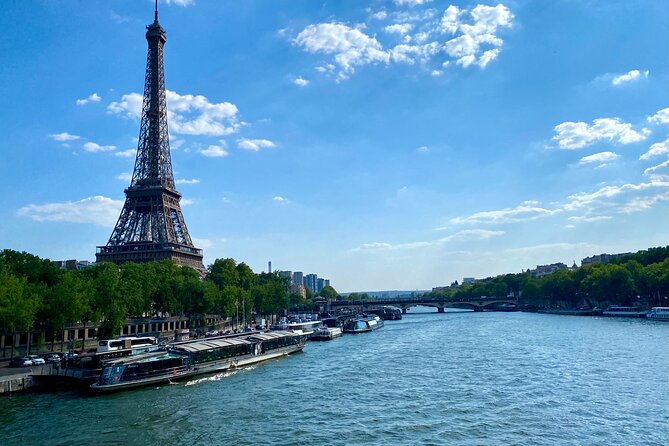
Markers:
<point>51,358</point>
<point>37,360</point>
<point>21,361</point>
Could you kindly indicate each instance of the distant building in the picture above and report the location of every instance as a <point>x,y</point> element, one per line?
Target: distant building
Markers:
<point>544,270</point>
<point>298,278</point>
<point>603,258</point>
<point>298,288</point>
<point>72,264</point>
<point>311,281</point>
<point>327,282</point>
<point>468,280</point>
<point>288,275</point>
<point>320,284</point>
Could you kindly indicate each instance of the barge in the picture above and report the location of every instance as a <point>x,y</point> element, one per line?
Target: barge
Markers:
<point>618,311</point>
<point>190,358</point>
<point>363,324</point>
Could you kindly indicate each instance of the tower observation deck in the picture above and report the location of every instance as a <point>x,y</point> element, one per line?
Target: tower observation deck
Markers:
<point>151,226</point>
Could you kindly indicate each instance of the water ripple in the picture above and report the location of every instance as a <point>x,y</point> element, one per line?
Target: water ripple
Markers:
<point>433,379</point>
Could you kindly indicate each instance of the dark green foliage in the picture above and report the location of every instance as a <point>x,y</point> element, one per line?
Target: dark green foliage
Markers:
<point>328,292</point>
<point>642,276</point>
<point>34,292</point>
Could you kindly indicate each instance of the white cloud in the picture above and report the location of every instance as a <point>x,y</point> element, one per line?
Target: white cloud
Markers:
<point>423,149</point>
<point>92,98</point>
<point>589,219</point>
<point>350,46</point>
<point>639,204</point>
<point>399,28</point>
<point>125,176</point>
<point>411,53</point>
<point>471,234</point>
<point>185,181</point>
<point>195,115</point>
<point>94,147</point>
<point>126,153</point>
<point>657,149</point>
<point>176,143</point>
<point>411,3</point>
<point>214,151</point>
<point>130,106</point>
<point>615,198</point>
<point>630,76</point>
<point>593,206</point>
<point>380,15</point>
<point>478,31</point>
<point>254,144</point>
<point>186,202</point>
<point>659,172</point>
<point>528,210</point>
<point>63,137</point>
<point>577,135</point>
<point>468,36</point>
<point>98,210</point>
<point>460,236</point>
<point>602,157</point>
<point>187,114</point>
<point>279,199</point>
<point>450,21</point>
<point>376,245</point>
<point>180,2</point>
<point>300,82</point>
<point>661,117</point>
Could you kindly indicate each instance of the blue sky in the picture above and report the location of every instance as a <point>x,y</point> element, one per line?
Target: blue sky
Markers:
<point>397,144</point>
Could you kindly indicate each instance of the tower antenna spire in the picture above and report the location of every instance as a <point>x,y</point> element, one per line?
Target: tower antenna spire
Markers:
<point>156,16</point>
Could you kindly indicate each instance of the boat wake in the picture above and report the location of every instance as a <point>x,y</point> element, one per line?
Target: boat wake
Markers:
<point>219,376</point>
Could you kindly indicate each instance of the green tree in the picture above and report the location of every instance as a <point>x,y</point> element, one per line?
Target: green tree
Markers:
<point>560,287</point>
<point>609,283</point>
<point>223,272</point>
<point>67,302</point>
<point>108,303</point>
<point>18,303</point>
<point>247,278</point>
<point>328,292</point>
<point>654,282</point>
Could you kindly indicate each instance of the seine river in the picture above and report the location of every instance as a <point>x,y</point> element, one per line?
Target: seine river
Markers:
<point>429,379</point>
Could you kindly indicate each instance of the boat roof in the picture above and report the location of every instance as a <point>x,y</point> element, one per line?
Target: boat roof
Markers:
<point>271,335</point>
<point>136,358</point>
<point>208,344</point>
<point>298,324</point>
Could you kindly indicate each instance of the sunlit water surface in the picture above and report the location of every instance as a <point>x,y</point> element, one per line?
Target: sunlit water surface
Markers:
<point>430,379</point>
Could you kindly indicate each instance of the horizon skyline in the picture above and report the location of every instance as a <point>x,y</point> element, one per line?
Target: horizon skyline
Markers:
<point>279,118</point>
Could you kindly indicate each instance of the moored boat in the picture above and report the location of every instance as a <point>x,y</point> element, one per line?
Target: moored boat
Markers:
<point>326,334</point>
<point>659,314</point>
<point>388,313</point>
<point>363,324</point>
<point>303,328</point>
<point>580,311</point>
<point>618,311</point>
<point>190,358</point>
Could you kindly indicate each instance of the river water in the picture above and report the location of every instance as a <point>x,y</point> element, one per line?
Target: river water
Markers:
<point>429,379</point>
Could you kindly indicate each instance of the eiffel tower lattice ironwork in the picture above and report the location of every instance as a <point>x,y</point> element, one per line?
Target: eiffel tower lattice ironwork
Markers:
<point>151,226</point>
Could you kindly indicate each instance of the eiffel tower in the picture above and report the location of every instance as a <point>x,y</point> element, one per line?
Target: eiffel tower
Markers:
<point>151,226</point>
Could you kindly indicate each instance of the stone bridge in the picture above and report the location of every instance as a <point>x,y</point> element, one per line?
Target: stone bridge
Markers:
<point>476,304</point>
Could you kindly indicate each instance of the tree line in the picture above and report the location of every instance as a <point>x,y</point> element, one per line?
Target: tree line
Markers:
<point>36,294</point>
<point>639,278</point>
